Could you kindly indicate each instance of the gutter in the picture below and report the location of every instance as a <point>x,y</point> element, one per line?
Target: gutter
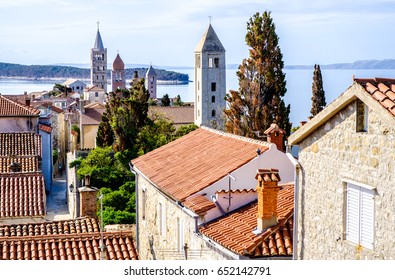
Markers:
<point>296,205</point>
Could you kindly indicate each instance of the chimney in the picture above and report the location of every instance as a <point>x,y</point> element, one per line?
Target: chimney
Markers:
<point>302,123</point>
<point>88,199</point>
<point>267,191</point>
<point>276,135</point>
<point>15,167</point>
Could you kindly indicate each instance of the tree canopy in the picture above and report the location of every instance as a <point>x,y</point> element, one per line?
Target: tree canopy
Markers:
<point>260,99</point>
<point>318,93</point>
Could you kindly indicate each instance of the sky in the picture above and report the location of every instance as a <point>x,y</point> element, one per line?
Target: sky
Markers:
<point>166,32</point>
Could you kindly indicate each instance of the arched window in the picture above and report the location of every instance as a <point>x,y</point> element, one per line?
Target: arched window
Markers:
<point>213,113</point>
<point>213,99</point>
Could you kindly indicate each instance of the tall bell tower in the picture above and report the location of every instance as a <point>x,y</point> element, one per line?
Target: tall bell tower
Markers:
<point>99,63</point>
<point>210,81</point>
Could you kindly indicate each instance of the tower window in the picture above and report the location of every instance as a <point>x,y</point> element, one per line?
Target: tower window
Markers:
<point>210,62</point>
<point>213,86</point>
<point>197,61</point>
<point>362,117</point>
<point>213,113</point>
<point>216,62</point>
<point>213,99</point>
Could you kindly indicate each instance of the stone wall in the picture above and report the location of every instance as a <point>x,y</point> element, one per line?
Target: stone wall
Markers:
<point>332,153</point>
<point>153,245</point>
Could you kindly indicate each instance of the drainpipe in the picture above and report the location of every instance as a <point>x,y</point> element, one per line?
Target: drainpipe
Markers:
<point>193,215</point>
<point>296,205</point>
<point>136,189</point>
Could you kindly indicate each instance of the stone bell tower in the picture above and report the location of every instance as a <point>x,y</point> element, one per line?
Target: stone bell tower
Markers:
<point>99,63</point>
<point>210,80</point>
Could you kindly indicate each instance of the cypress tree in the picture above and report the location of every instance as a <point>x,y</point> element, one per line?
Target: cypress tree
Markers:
<point>260,99</point>
<point>105,135</point>
<point>318,96</point>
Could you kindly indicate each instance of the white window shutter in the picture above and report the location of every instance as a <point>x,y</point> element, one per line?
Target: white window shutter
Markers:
<point>352,218</point>
<point>367,218</point>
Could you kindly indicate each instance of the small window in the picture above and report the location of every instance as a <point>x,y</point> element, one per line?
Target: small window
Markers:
<point>360,215</point>
<point>197,61</point>
<point>102,77</point>
<point>362,117</point>
<point>198,113</point>
<point>213,113</point>
<point>216,62</point>
<point>213,86</point>
<point>96,94</point>
<point>198,85</point>
<point>143,202</point>
<point>180,235</point>
<point>161,219</point>
<point>213,99</point>
<point>210,62</point>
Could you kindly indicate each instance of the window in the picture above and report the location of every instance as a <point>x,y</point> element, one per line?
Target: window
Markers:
<point>362,116</point>
<point>210,62</point>
<point>161,219</point>
<point>213,113</point>
<point>213,99</point>
<point>180,235</point>
<point>360,215</point>
<point>96,94</point>
<point>143,202</point>
<point>213,86</point>
<point>216,62</point>
<point>197,61</point>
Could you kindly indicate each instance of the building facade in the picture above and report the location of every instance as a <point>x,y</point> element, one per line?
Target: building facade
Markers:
<point>99,63</point>
<point>210,80</point>
<point>346,176</point>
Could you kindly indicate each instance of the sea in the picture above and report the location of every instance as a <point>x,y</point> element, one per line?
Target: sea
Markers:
<point>298,95</point>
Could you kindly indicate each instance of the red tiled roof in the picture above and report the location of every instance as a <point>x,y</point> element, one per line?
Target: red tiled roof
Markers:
<point>22,195</point>
<point>119,246</point>
<point>92,116</point>
<point>10,108</point>
<point>20,144</point>
<point>235,231</point>
<point>29,163</point>
<point>77,226</point>
<point>382,90</point>
<point>196,160</point>
<point>45,128</point>
<point>178,114</point>
<point>48,105</point>
<point>199,204</point>
<point>241,191</point>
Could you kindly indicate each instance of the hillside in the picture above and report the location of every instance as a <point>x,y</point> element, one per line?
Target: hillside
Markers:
<point>359,64</point>
<point>63,72</point>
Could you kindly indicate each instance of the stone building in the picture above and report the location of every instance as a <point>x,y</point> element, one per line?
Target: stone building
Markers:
<point>184,187</point>
<point>75,85</point>
<point>210,80</point>
<point>118,79</point>
<point>99,63</point>
<point>150,82</point>
<point>94,94</point>
<point>346,174</point>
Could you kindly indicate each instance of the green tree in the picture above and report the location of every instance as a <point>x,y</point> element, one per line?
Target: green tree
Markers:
<point>105,135</point>
<point>318,93</point>
<point>260,99</point>
<point>127,114</point>
<point>165,100</point>
<point>178,101</point>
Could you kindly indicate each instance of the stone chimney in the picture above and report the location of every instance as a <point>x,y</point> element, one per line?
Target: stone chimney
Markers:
<point>276,136</point>
<point>88,199</point>
<point>267,191</point>
<point>15,166</point>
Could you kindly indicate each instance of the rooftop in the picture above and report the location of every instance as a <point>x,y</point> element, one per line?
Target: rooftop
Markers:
<point>92,116</point>
<point>197,160</point>
<point>209,42</point>
<point>235,230</point>
<point>20,144</point>
<point>180,115</point>
<point>10,108</point>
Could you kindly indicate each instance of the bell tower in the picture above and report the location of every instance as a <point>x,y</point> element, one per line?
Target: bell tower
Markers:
<point>99,63</point>
<point>210,81</point>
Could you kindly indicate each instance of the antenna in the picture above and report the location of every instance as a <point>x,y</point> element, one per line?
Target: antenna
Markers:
<point>210,19</point>
<point>98,23</point>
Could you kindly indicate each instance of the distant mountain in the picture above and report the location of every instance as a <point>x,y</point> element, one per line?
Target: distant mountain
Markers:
<point>360,64</point>
<point>64,72</point>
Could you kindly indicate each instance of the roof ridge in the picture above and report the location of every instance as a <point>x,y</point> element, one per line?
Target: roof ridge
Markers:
<point>238,137</point>
<point>20,105</point>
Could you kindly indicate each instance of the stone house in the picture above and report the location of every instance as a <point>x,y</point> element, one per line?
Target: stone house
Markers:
<point>345,176</point>
<point>90,119</point>
<point>183,187</point>
<point>94,94</point>
<point>75,85</point>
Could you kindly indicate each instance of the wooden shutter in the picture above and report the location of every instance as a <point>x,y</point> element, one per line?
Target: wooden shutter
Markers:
<point>367,218</point>
<point>353,215</point>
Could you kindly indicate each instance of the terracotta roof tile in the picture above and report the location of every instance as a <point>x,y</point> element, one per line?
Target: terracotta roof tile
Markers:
<point>22,195</point>
<point>197,160</point>
<point>92,116</point>
<point>68,247</point>
<point>20,144</point>
<point>29,163</point>
<point>180,115</point>
<point>45,128</point>
<point>12,108</point>
<point>382,90</point>
<point>235,230</point>
<point>199,204</point>
<point>48,105</point>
